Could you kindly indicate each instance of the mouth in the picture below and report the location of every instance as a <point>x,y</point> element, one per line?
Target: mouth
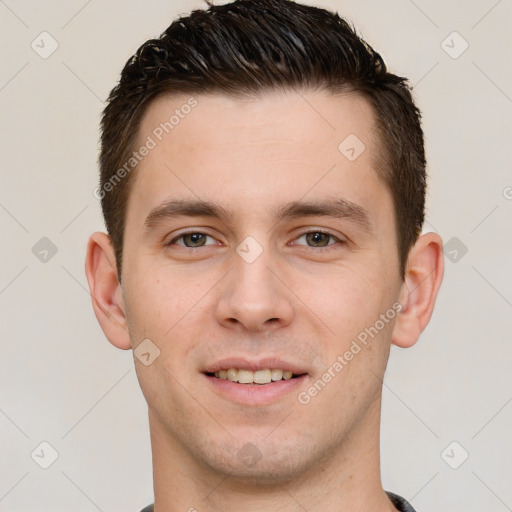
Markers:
<point>255,383</point>
<point>258,377</point>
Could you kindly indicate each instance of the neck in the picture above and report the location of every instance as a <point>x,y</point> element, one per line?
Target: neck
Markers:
<point>345,479</point>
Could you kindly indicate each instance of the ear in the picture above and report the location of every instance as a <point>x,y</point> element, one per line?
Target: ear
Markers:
<point>106,293</point>
<point>423,276</point>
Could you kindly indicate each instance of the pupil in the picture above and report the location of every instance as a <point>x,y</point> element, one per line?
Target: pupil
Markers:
<point>314,237</point>
<point>195,237</point>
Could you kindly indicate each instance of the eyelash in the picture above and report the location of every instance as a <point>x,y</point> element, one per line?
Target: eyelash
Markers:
<point>326,248</point>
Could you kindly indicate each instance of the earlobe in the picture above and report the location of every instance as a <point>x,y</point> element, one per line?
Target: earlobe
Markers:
<point>423,276</point>
<point>106,293</point>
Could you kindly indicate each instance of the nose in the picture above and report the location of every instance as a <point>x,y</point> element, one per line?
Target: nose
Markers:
<point>254,296</point>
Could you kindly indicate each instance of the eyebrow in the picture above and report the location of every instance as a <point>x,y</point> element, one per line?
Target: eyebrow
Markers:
<point>338,208</point>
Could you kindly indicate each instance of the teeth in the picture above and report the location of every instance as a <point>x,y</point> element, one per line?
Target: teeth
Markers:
<point>249,377</point>
<point>245,376</point>
<point>277,374</point>
<point>262,377</point>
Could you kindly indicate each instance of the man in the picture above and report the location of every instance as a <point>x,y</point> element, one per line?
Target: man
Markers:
<point>263,187</point>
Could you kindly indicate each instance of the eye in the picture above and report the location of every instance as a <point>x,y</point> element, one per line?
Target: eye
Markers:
<point>314,239</point>
<point>319,239</point>
<point>192,239</point>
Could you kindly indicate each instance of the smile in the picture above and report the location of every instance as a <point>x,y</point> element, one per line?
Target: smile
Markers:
<point>242,376</point>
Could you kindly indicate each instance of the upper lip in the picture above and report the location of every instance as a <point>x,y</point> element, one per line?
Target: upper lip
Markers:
<point>254,365</point>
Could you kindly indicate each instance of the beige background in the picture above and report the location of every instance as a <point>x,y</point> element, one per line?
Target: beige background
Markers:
<point>63,383</point>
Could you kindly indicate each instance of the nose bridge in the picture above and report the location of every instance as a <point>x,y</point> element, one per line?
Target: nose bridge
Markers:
<point>253,297</point>
<point>252,275</point>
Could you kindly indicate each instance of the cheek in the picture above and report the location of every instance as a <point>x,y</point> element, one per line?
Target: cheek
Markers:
<point>348,301</point>
<point>167,312</point>
<point>157,303</point>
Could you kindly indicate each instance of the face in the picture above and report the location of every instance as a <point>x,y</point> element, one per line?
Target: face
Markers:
<point>255,242</point>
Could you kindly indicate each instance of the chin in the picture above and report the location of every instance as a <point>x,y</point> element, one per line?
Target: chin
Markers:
<point>268,464</point>
<point>268,473</point>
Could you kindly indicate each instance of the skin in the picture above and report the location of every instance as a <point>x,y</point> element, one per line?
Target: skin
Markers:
<point>295,301</point>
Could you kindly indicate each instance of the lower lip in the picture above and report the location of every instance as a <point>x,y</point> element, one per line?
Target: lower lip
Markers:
<point>255,394</point>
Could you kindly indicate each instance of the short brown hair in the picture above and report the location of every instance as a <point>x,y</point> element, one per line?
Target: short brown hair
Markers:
<point>250,46</point>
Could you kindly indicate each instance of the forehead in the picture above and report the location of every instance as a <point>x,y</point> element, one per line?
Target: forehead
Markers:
<point>253,151</point>
<point>319,118</point>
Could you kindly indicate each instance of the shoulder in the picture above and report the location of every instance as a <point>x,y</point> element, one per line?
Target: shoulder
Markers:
<point>400,503</point>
